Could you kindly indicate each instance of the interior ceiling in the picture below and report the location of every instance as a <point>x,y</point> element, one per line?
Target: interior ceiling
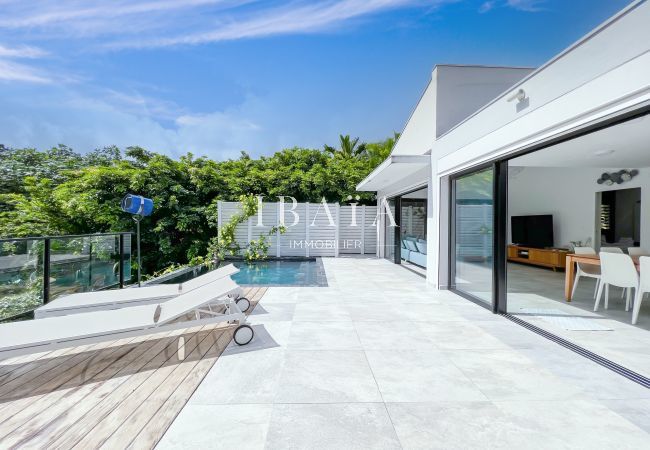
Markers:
<point>626,145</point>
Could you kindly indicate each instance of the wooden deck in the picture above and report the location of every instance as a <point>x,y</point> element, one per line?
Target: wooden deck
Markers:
<point>115,394</point>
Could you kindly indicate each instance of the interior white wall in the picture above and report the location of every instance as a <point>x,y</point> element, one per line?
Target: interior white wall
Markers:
<point>570,195</point>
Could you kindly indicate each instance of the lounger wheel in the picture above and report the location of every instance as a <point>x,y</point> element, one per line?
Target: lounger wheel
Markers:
<point>243,303</point>
<point>243,335</point>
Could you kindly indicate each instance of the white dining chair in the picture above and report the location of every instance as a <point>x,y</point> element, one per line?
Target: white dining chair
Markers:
<point>611,250</point>
<point>586,270</point>
<point>637,251</point>
<point>644,286</point>
<point>616,270</point>
<point>614,250</point>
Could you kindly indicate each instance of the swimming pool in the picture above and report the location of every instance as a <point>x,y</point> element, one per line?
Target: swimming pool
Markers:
<point>276,272</point>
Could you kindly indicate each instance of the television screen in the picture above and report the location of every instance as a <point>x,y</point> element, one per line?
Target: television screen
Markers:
<point>532,231</point>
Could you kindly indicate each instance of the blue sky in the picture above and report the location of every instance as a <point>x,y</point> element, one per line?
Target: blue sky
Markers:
<point>218,76</point>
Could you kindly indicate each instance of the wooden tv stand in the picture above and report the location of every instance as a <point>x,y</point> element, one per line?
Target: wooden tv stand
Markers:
<point>552,257</point>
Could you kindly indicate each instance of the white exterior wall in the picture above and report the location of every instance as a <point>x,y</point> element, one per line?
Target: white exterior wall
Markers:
<point>464,89</point>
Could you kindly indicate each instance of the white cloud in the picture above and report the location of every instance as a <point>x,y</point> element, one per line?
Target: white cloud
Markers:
<point>487,6</point>
<point>23,51</point>
<point>88,122</point>
<point>12,71</point>
<point>150,23</point>
<point>526,5</point>
<point>294,18</point>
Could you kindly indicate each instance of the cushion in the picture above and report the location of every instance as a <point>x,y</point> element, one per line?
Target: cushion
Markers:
<point>422,248</point>
<point>410,245</point>
<point>419,259</point>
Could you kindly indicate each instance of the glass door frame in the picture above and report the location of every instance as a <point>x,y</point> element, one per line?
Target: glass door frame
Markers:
<point>499,234</point>
<point>397,215</point>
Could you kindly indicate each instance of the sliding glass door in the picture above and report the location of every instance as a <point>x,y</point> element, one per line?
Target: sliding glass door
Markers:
<point>389,232</point>
<point>472,256</point>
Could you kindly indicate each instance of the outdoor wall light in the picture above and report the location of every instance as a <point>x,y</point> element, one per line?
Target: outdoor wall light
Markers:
<point>608,179</point>
<point>520,95</point>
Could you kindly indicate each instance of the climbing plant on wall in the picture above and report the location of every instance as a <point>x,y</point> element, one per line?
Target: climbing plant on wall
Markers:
<point>225,244</point>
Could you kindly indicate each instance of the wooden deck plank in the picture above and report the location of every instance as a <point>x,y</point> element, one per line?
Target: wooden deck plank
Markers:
<point>10,364</point>
<point>35,418</point>
<point>111,391</point>
<point>178,381</point>
<point>152,431</point>
<point>54,371</point>
<point>80,428</point>
<point>157,382</point>
<point>21,370</point>
<point>18,411</point>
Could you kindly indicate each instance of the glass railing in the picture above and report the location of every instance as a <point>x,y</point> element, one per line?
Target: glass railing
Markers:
<point>34,271</point>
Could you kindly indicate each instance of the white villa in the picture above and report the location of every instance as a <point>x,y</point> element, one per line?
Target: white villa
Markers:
<point>517,168</point>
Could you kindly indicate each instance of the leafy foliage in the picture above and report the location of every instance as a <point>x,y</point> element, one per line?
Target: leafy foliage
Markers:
<point>59,191</point>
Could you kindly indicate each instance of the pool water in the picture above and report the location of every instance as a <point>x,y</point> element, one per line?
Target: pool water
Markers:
<point>279,272</point>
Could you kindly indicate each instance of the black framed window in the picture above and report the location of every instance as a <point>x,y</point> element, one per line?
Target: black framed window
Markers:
<point>472,234</point>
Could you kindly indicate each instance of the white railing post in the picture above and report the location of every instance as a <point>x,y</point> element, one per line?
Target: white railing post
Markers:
<point>336,233</point>
<point>307,229</point>
<point>363,230</point>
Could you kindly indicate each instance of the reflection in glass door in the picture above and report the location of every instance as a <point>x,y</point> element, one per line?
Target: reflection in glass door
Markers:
<point>472,252</point>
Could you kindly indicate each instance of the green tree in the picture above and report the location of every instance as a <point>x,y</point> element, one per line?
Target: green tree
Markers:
<point>348,147</point>
<point>59,191</point>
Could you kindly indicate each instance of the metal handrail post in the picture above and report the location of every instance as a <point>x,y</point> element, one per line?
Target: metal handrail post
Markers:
<point>121,270</point>
<point>46,270</point>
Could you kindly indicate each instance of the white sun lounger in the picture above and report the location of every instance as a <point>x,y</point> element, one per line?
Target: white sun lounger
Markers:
<point>147,295</point>
<point>207,305</point>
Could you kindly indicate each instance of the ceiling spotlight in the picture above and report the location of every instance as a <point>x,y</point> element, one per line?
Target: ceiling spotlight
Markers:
<point>604,152</point>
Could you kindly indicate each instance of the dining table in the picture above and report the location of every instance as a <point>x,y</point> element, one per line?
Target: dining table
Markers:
<point>570,275</point>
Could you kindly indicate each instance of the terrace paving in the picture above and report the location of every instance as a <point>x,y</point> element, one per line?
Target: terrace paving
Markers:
<point>380,360</point>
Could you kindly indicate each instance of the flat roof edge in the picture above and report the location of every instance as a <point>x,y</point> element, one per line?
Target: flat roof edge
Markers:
<point>393,159</point>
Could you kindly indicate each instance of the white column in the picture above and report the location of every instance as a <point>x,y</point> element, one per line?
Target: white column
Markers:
<point>336,233</point>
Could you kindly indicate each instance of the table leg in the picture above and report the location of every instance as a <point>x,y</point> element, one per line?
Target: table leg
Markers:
<point>569,278</point>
